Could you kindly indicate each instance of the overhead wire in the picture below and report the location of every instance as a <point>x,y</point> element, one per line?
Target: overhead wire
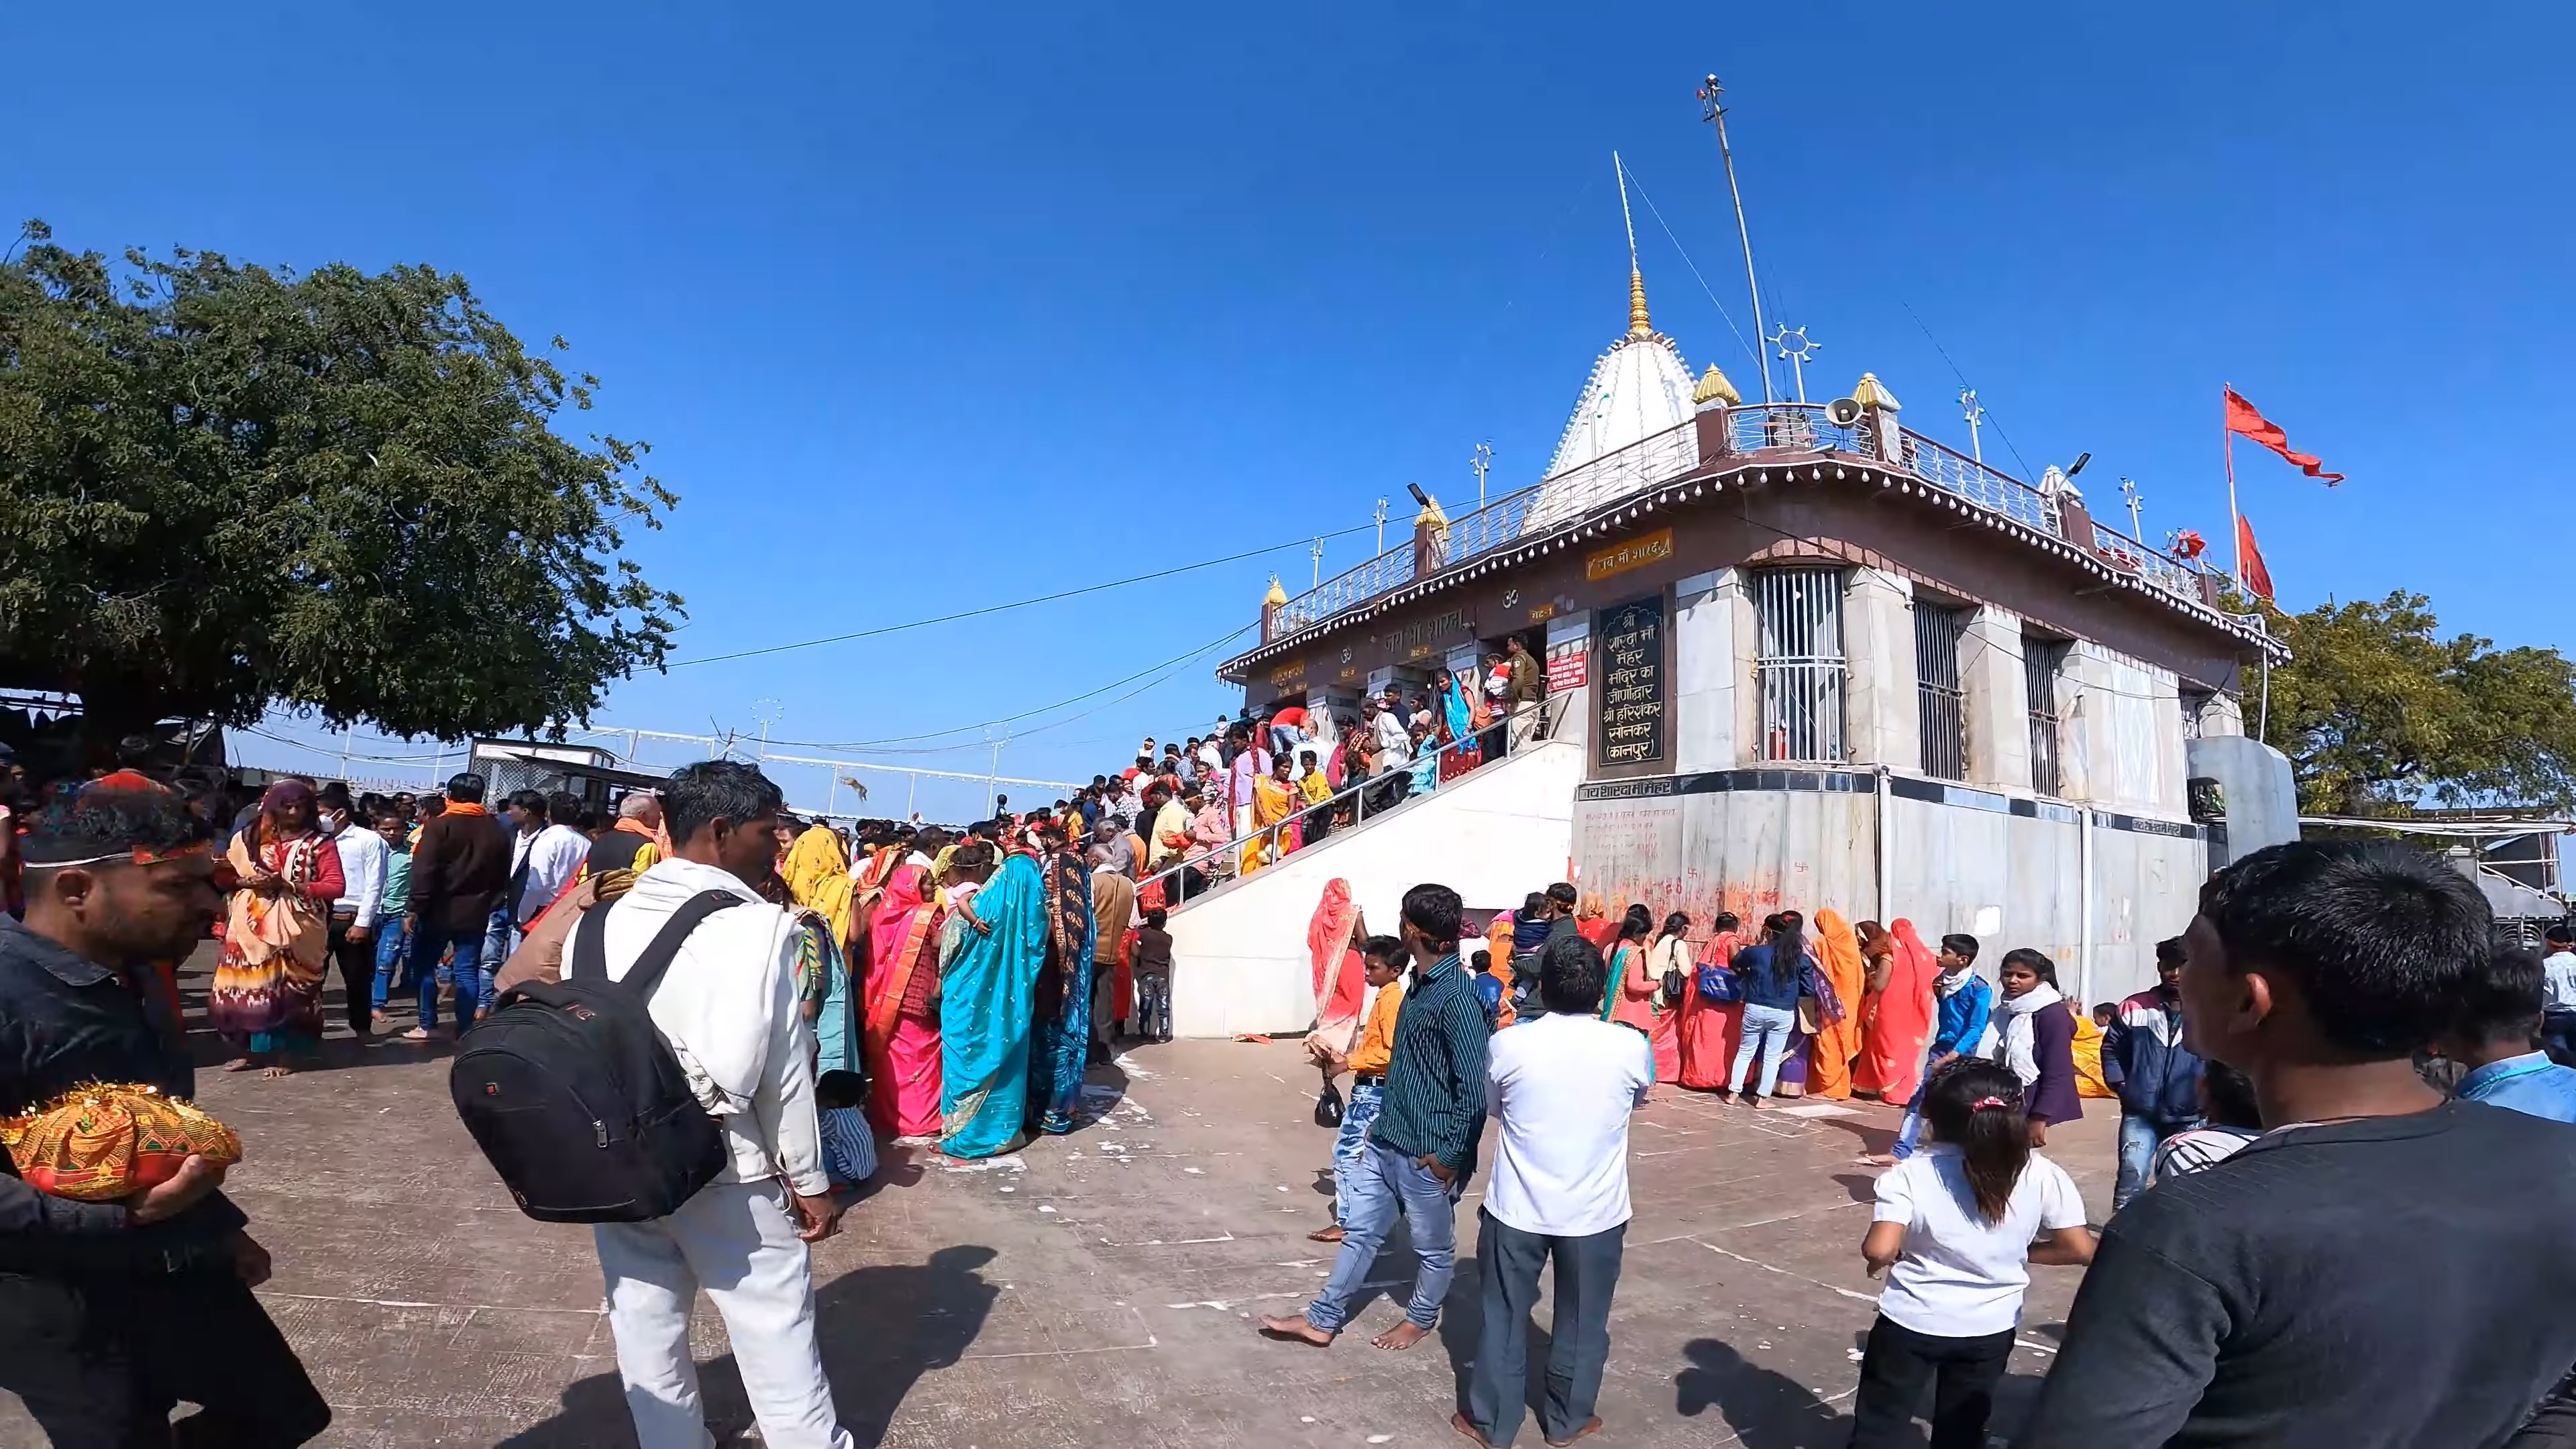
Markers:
<point>882,629</point>
<point>1723,315</point>
<point>1987,413</point>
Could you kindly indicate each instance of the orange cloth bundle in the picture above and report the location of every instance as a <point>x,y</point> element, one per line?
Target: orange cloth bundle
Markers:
<point>98,1143</point>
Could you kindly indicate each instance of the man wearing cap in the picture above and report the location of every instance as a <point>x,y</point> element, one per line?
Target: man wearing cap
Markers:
<point>459,868</point>
<point>114,1313</point>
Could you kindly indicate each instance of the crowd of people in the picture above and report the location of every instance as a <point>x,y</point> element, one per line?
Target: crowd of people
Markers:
<point>2341,1017</point>
<point>2334,1033</point>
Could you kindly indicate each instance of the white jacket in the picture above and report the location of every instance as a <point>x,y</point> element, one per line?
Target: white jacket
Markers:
<point>728,1008</point>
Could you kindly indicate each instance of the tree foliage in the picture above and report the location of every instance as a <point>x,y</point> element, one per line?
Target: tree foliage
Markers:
<point>2377,712</point>
<point>224,486</point>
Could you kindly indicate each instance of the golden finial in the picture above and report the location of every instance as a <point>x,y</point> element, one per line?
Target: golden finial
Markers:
<point>1638,325</point>
<point>1869,392</point>
<point>1276,596</point>
<point>1713,387</point>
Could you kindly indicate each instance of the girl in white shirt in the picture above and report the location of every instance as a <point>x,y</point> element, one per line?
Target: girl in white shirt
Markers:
<point>1953,1231</point>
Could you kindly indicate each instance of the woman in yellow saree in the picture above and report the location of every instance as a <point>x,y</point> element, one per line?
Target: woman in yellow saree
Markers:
<point>1273,798</point>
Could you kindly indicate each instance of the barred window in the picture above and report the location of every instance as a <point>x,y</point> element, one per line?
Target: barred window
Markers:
<point>1799,670</point>
<point>2042,661</point>
<point>1940,703</point>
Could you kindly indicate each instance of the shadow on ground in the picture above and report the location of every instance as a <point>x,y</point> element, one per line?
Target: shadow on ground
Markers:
<point>1764,1409</point>
<point>881,1329</point>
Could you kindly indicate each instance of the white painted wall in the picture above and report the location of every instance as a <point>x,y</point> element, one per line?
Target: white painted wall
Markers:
<point>1239,957</point>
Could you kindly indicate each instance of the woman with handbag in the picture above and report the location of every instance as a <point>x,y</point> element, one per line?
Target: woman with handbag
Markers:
<point>1668,965</point>
<point>1710,1012</point>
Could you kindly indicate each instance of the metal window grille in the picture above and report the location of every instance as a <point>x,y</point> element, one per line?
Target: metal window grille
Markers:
<point>1940,703</point>
<point>2042,661</point>
<point>1800,668</point>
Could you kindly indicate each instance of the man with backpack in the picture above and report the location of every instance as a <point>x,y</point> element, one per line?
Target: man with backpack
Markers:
<point>727,1007</point>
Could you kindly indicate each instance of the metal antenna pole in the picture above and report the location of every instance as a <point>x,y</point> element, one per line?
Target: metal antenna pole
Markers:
<point>1975,415</point>
<point>2137,528</point>
<point>1318,552</point>
<point>1483,460</point>
<point>1715,114</point>
<point>1381,525</point>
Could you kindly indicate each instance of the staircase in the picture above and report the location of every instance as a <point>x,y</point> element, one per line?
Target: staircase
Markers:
<point>1240,963</point>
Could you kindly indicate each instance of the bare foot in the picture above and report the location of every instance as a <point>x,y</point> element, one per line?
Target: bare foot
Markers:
<point>1762,1104</point>
<point>377,1020</point>
<point>1325,1235</point>
<point>1877,1159</point>
<point>1297,1329</point>
<point>1590,1427</point>
<point>270,1074</point>
<point>1403,1336</point>
<point>1460,1422</point>
<point>240,1064</point>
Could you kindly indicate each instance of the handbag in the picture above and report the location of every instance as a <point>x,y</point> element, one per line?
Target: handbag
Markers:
<point>1328,1106</point>
<point>1717,985</point>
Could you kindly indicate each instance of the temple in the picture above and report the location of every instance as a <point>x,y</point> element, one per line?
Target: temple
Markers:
<point>1807,657</point>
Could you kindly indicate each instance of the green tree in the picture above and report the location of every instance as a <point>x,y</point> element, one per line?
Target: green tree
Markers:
<point>2377,712</point>
<point>224,486</point>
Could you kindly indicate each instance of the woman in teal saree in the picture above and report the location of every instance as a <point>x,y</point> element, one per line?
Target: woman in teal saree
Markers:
<point>1063,1036</point>
<point>987,994</point>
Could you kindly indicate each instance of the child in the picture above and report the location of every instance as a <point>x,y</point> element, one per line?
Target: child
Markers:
<point>849,1146</point>
<point>1154,977</point>
<point>1952,1231</point>
<point>2230,1118</point>
<point>1371,1048</point>
<point>1489,988</point>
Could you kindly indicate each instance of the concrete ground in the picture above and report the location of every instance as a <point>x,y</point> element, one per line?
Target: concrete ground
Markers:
<point>1093,1290</point>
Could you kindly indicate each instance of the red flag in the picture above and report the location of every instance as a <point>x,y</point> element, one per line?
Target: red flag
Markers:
<point>2258,579</point>
<point>2242,418</point>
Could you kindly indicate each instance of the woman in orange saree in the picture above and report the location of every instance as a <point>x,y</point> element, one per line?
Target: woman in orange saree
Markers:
<point>901,1031</point>
<point>268,980</point>
<point>1891,1058</point>
<point>1708,1028</point>
<point>1333,943</point>
<point>1829,1056</point>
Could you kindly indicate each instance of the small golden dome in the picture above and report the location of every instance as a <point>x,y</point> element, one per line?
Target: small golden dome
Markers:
<point>1276,596</point>
<point>1869,392</point>
<point>1713,387</point>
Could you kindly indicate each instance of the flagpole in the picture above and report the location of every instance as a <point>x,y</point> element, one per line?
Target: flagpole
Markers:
<point>2235,526</point>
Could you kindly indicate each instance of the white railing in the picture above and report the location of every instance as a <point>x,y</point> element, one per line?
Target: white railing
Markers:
<point>1751,430</point>
<point>1215,865</point>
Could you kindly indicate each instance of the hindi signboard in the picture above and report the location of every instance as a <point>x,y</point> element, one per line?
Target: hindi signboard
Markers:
<point>1632,683</point>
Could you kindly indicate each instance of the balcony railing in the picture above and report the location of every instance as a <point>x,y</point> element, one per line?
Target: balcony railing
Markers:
<point>1752,430</point>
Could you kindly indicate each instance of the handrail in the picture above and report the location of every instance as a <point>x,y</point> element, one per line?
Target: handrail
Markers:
<point>1751,429</point>
<point>1551,715</point>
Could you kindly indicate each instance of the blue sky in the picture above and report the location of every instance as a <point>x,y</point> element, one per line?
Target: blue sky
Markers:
<point>930,307</point>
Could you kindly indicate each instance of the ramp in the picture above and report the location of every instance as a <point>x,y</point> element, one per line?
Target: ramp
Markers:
<point>1239,957</point>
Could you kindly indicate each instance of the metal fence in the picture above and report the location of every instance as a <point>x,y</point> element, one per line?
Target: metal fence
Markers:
<point>1952,471</point>
<point>1799,671</point>
<point>1940,702</point>
<point>2043,661</point>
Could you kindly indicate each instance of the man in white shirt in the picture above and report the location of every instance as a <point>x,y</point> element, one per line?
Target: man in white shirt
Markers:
<point>729,1009</point>
<point>353,915</point>
<point>2558,993</point>
<point>1560,1090</point>
<point>546,854</point>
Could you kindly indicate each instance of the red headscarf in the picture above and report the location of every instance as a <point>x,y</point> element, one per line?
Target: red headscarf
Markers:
<point>1339,984</point>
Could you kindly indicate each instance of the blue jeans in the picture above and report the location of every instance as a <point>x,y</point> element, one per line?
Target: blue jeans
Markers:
<point>1766,1029</point>
<point>393,943</point>
<point>1154,1008</point>
<point>500,938</point>
<point>1384,1183</point>
<point>427,945</point>
<point>1357,1114</point>
<point>2139,1139</point>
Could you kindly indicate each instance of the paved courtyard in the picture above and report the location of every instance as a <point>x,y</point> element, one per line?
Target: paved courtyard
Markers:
<point>1094,1290</point>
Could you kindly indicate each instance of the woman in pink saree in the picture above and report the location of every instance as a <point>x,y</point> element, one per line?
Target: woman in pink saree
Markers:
<point>1891,1056</point>
<point>1333,941</point>
<point>901,1031</point>
<point>1708,1028</point>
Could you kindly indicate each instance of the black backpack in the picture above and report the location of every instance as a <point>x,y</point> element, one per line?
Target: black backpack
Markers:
<point>574,1097</point>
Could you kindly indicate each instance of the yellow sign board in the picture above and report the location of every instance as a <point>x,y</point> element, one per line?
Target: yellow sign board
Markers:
<point>1636,553</point>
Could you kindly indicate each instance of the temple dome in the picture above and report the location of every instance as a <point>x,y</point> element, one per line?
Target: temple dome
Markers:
<point>1639,389</point>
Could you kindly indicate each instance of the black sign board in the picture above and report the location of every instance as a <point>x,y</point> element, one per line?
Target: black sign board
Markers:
<point>1633,686</point>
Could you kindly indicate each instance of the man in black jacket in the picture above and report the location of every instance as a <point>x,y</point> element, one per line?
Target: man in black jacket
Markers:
<point>459,867</point>
<point>112,1314</point>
